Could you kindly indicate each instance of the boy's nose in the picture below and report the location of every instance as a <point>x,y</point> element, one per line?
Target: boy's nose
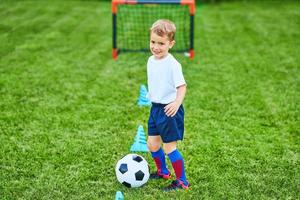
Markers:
<point>155,47</point>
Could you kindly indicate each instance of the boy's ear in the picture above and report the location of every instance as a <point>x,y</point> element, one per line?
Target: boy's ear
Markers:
<point>172,43</point>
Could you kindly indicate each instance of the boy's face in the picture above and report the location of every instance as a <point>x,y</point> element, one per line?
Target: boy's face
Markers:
<point>160,46</point>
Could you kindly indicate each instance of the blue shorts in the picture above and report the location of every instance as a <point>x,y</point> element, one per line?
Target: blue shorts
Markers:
<point>169,128</point>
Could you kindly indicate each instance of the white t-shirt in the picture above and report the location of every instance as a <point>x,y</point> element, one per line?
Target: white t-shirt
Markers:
<point>164,76</point>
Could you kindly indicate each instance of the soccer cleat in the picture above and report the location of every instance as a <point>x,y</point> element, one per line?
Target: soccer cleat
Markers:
<point>159,175</point>
<point>176,185</point>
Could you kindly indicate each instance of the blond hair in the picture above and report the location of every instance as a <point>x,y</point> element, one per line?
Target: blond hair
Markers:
<point>164,27</point>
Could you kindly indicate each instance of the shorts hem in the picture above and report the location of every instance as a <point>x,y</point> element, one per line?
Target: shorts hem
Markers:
<point>168,141</point>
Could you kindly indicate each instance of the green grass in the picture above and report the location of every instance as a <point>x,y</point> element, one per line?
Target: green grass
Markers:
<point>68,111</point>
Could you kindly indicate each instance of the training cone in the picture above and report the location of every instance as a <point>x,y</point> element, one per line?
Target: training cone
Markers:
<point>140,142</point>
<point>143,99</point>
<point>119,196</point>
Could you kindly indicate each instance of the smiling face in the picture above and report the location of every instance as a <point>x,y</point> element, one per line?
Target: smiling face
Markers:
<point>160,45</point>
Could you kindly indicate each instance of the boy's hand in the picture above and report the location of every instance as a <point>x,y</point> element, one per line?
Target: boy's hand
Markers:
<point>172,108</point>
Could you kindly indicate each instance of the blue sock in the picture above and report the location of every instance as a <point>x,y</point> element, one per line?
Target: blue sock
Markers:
<point>178,165</point>
<point>160,161</point>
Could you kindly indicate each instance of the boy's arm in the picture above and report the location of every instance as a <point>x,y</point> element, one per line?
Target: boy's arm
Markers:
<point>172,108</point>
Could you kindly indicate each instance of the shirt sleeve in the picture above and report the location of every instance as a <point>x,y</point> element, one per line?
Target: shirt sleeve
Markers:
<point>178,78</point>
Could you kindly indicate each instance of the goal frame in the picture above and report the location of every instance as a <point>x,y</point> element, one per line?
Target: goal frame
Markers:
<point>116,3</point>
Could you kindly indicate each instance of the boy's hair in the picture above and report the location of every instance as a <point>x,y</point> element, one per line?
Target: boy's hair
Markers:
<point>164,27</point>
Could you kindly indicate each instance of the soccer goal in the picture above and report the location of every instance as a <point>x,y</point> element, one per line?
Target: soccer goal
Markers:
<point>133,18</point>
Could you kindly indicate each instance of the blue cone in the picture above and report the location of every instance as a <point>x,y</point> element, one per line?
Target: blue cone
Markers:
<point>143,99</point>
<point>119,196</point>
<point>140,141</point>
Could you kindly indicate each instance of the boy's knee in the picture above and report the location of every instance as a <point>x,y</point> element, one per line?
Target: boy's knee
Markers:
<point>169,147</point>
<point>153,146</point>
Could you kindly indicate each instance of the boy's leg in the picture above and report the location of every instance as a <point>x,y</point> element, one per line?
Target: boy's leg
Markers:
<point>178,166</point>
<point>158,156</point>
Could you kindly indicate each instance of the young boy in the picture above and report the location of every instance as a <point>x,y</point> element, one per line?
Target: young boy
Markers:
<point>167,89</point>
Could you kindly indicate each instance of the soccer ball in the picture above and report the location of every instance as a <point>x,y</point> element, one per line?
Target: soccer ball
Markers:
<point>132,170</point>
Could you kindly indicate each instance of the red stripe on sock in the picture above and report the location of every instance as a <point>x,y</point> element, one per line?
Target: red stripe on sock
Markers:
<point>177,165</point>
<point>158,163</point>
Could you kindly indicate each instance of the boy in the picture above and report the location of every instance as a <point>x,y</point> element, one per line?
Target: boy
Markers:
<point>167,89</point>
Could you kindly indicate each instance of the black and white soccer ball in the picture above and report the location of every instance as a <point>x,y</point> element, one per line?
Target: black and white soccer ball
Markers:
<point>132,170</point>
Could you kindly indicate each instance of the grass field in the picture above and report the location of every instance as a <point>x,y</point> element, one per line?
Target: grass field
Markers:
<point>68,112</point>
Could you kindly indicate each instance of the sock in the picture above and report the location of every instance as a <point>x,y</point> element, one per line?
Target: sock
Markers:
<point>160,161</point>
<point>178,165</point>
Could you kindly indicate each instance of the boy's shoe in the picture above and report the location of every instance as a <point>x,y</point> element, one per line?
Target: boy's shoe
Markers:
<point>159,175</point>
<point>176,185</point>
